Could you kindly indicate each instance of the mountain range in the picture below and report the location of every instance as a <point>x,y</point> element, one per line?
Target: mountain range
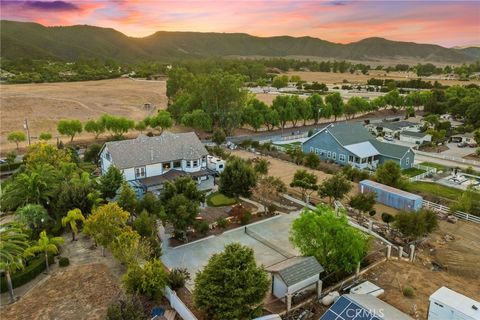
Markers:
<point>35,41</point>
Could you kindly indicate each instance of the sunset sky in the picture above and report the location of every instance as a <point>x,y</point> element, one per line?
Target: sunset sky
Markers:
<point>448,23</point>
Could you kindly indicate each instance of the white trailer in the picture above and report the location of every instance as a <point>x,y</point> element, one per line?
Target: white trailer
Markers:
<point>446,304</point>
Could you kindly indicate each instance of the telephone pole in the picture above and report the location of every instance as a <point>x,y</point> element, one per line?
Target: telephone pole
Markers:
<point>25,126</point>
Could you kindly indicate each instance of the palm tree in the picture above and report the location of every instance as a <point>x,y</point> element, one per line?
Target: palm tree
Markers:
<point>33,216</point>
<point>13,242</point>
<point>71,219</point>
<point>46,245</point>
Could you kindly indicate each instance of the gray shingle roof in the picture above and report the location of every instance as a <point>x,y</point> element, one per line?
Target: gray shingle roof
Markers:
<point>349,133</point>
<point>150,150</point>
<point>302,269</point>
<point>390,149</point>
<point>413,134</point>
<point>394,126</point>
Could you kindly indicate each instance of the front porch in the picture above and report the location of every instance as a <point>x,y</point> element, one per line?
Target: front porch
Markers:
<point>370,162</point>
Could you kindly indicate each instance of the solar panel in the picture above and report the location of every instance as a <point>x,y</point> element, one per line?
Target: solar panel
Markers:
<point>344,309</point>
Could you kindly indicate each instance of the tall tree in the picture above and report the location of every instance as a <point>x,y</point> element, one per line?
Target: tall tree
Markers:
<point>237,179</point>
<point>363,202</point>
<point>13,243</point>
<point>73,216</point>
<point>231,286</point>
<point>34,216</point>
<point>218,136</point>
<point>161,121</point>
<point>335,187</point>
<point>69,128</point>
<point>110,182</point>
<point>127,199</point>
<point>306,182</point>
<point>336,102</point>
<point>45,245</point>
<point>336,245</point>
<point>95,127</point>
<point>316,104</point>
<point>129,248</point>
<point>389,173</point>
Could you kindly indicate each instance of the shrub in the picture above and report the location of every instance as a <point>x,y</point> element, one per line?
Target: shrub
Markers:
<point>178,277</point>
<point>245,218</point>
<point>149,279</point>
<point>408,292</point>
<point>63,261</point>
<point>222,223</point>
<point>271,209</point>
<point>202,227</point>
<point>371,213</point>
<point>129,308</point>
<point>34,268</point>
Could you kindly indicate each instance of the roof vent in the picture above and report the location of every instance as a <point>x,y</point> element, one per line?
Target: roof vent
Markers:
<point>474,307</point>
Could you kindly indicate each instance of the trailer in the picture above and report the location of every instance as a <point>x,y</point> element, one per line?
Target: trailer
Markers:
<point>446,304</point>
<point>392,197</point>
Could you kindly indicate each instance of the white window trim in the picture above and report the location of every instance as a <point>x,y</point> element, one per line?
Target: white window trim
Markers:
<point>341,157</point>
<point>334,155</point>
<point>329,154</point>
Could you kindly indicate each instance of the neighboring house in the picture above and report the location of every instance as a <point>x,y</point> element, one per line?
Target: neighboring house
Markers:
<point>295,275</point>
<point>415,137</point>
<point>351,143</point>
<point>362,306</point>
<point>446,304</point>
<point>152,161</point>
<point>393,129</point>
<point>463,138</point>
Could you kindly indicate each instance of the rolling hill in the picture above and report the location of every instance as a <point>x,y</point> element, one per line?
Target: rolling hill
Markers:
<point>32,40</point>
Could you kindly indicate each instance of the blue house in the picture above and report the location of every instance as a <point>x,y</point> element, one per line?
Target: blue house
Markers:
<point>351,143</point>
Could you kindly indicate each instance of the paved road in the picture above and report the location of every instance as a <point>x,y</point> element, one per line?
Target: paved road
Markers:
<point>449,163</point>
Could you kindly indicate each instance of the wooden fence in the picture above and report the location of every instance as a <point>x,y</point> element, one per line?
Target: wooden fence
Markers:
<point>446,210</point>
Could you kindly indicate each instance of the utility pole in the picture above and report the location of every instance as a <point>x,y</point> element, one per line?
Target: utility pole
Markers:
<point>25,126</point>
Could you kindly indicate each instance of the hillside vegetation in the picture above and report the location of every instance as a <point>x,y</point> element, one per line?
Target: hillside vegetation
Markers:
<point>34,41</point>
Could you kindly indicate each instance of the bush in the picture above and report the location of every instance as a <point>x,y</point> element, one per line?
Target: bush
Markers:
<point>408,292</point>
<point>92,153</point>
<point>271,209</point>
<point>63,261</point>
<point>414,225</point>
<point>178,277</point>
<point>202,227</point>
<point>129,308</point>
<point>33,269</point>
<point>245,218</point>
<point>149,279</point>
<point>371,213</point>
<point>222,223</point>
<point>8,167</point>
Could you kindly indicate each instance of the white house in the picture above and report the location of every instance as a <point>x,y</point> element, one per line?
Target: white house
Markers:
<point>295,275</point>
<point>415,137</point>
<point>151,161</point>
<point>446,304</point>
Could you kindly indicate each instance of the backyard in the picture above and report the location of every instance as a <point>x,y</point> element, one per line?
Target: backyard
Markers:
<point>412,172</point>
<point>217,199</point>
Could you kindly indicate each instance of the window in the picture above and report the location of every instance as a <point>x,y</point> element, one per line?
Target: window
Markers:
<point>350,158</point>
<point>166,166</point>
<point>317,151</point>
<point>177,164</point>
<point>341,157</point>
<point>107,156</point>
<point>189,164</point>
<point>195,163</point>
<point>407,161</point>
<point>311,149</point>
<point>334,156</point>
<point>140,172</point>
<point>329,154</point>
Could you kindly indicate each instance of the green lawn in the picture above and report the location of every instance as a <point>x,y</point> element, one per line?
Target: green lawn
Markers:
<point>412,172</point>
<point>218,199</point>
<point>434,189</point>
<point>434,165</point>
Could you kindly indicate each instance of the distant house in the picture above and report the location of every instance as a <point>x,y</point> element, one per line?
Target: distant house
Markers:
<point>362,306</point>
<point>152,161</point>
<point>415,137</point>
<point>394,128</point>
<point>295,275</point>
<point>463,138</point>
<point>351,143</point>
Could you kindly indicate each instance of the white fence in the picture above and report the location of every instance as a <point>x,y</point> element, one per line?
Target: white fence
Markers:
<point>445,157</point>
<point>178,305</point>
<point>428,171</point>
<point>444,209</point>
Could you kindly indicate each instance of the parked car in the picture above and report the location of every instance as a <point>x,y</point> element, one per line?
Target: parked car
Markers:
<point>388,138</point>
<point>472,145</point>
<point>462,144</point>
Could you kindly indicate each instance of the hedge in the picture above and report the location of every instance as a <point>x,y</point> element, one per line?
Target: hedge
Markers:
<point>9,167</point>
<point>31,271</point>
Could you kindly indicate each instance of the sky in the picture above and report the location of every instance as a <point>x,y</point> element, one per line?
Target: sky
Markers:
<point>447,23</point>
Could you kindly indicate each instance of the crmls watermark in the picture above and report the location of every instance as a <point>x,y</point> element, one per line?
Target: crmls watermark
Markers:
<point>362,313</point>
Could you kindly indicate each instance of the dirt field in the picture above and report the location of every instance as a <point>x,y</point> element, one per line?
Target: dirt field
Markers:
<point>46,103</point>
<point>337,78</point>
<point>76,292</point>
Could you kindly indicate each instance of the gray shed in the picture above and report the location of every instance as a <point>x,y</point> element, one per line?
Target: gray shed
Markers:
<point>295,275</point>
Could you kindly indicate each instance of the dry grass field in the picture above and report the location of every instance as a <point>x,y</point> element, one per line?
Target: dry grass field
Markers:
<point>46,103</point>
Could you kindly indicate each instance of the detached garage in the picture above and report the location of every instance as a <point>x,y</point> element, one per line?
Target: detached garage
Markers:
<point>295,275</point>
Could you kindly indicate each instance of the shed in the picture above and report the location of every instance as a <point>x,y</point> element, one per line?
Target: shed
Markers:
<point>446,304</point>
<point>362,306</point>
<point>392,197</point>
<point>295,275</point>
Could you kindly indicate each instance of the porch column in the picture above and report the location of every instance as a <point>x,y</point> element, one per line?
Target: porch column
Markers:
<point>319,289</point>
<point>289,302</point>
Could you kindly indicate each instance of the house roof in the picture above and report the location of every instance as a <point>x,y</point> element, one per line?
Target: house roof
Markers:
<point>172,174</point>
<point>457,301</point>
<point>394,126</point>
<point>362,306</point>
<point>363,149</point>
<point>413,134</point>
<point>348,134</point>
<point>151,150</point>
<point>297,269</point>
